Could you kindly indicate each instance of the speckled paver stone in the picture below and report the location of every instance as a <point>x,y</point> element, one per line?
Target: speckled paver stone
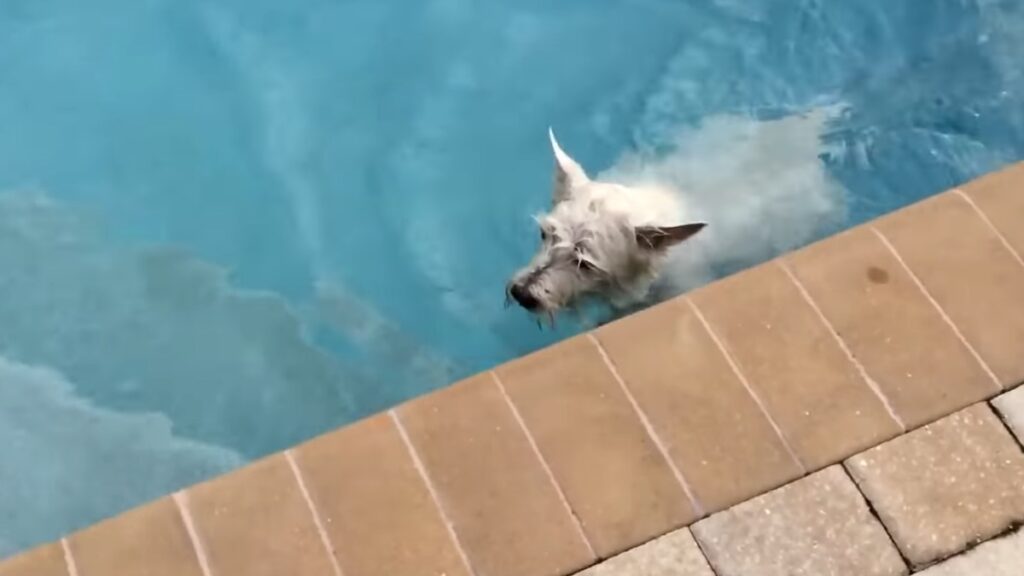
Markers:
<point>817,526</point>
<point>1011,407</point>
<point>675,554</point>
<point>999,557</point>
<point>938,489</point>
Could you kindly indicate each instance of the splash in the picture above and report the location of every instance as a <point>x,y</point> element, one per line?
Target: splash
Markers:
<point>760,184</point>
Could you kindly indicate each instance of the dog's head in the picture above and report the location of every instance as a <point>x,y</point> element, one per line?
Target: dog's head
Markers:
<point>588,247</point>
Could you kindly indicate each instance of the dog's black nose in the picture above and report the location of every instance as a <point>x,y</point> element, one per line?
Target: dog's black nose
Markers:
<point>523,297</point>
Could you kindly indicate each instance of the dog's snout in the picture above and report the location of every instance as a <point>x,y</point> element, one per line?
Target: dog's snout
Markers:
<point>523,297</point>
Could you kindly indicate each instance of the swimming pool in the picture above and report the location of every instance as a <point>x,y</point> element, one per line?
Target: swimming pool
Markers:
<point>229,225</point>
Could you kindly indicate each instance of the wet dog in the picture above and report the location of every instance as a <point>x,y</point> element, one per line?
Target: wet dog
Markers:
<point>600,240</point>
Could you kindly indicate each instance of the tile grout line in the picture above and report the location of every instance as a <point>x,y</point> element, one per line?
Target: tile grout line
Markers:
<point>1003,419</point>
<point>935,304</point>
<point>289,455</point>
<point>181,501</point>
<point>703,552</point>
<point>874,514</point>
<point>865,376</point>
<point>746,384</point>
<point>1011,529</point>
<point>698,508</point>
<point>544,463</point>
<point>988,222</point>
<point>438,504</point>
<point>69,559</point>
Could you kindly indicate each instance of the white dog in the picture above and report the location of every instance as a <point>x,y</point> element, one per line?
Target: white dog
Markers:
<point>600,240</point>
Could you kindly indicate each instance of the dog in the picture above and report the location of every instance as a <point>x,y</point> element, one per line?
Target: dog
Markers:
<point>599,241</point>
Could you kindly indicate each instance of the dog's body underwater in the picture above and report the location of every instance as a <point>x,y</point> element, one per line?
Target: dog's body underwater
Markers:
<point>600,240</point>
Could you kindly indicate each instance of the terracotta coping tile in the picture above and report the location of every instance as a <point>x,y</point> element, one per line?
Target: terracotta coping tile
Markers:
<point>374,504</point>
<point>256,522</point>
<point>942,487</point>
<point>815,526</point>
<point>712,427</point>
<point>150,540</point>
<point>969,272</point>
<point>614,476</point>
<point>505,509</point>
<point>47,560</point>
<point>824,407</point>
<point>902,341</point>
<point>1000,197</point>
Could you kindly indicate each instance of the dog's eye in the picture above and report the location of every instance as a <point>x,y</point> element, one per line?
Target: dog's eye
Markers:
<point>543,235</point>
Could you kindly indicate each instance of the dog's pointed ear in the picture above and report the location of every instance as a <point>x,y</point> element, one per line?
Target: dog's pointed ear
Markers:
<point>664,237</point>
<point>568,173</point>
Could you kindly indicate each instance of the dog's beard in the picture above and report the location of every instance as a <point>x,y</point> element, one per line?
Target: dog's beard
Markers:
<point>589,310</point>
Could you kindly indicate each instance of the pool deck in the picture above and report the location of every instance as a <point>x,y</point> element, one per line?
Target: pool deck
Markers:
<point>845,409</point>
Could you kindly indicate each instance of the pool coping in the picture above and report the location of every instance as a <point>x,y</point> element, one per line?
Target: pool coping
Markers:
<point>553,462</point>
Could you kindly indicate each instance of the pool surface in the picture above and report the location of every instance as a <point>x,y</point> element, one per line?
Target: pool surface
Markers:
<point>227,226</point>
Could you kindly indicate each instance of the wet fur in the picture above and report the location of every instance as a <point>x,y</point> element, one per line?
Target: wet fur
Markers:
<point>601,241</point>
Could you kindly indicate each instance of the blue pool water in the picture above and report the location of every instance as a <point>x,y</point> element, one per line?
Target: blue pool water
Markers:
<point>229,225</point>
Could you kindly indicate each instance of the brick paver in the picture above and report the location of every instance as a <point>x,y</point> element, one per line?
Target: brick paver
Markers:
<point>945,486</point>
<point>999,557</point>
<point>1011,408</point>
<point>814,526</point>
<point>675,554</point>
